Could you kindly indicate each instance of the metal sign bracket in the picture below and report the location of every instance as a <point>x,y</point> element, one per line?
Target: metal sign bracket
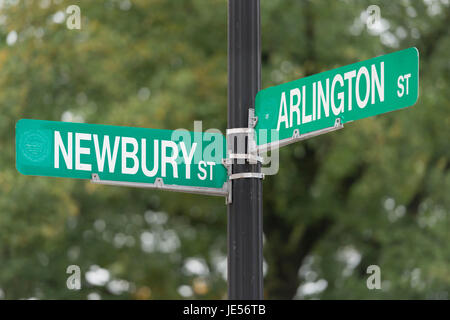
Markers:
<point>298,136</point>
<point>159,184</point>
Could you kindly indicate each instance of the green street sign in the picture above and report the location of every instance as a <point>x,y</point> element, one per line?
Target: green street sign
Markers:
<point>176,160</point>
<point>324,102</point>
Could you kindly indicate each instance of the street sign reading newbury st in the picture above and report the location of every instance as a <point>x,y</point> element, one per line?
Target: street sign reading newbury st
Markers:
<point>175,160</point>
<point>324,102</point>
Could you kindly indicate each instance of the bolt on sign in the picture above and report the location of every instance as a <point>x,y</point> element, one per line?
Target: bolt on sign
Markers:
<point>121,154</point>
<point>325,101</point>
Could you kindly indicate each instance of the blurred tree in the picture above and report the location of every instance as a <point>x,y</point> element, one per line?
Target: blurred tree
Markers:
<point>374,193</point>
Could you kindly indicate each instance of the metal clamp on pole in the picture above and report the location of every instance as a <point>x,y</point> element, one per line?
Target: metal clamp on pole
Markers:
<point>244,175</point>
<point>241,146</point>
<point>241,150</point>
<point>241,142</point>
<point>251,158</point>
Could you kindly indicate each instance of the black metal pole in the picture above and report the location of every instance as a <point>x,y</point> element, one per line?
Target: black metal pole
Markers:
<point>245,259</point>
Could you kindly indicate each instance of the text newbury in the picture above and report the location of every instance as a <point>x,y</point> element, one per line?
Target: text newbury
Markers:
<point>353,92</point>
<point>76,150</point>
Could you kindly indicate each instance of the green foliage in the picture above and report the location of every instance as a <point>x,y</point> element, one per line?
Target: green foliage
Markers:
<point>375,193</point>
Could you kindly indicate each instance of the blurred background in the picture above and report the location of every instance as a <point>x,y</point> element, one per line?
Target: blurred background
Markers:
<point>375,193</point>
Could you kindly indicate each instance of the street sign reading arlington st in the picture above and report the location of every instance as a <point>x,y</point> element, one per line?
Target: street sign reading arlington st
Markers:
<point>324,102</point>
<point>176,160</point>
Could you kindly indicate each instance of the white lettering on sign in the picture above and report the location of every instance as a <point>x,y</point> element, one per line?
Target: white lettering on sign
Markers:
<point>283,116</point>
<point>188,157</point>
<point>305,118</point>
<point>106,151</point>
<point>129,155</point>
<point>293,108</point>
<point>365,86</point>
<point>165,159</point>
<point>159,156</point>
<point>154,170</point>
<point>338,110</point>
<point>379,83</point>
<point>349,76</point>
<point>401,86</point>
<point>202,165</point>
<point>362,102</point>
<point>324,99</point>
<point>59,146</point>
<point>79,151</point>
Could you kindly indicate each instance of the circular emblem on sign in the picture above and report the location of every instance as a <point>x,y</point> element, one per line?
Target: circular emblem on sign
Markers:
<point>35,146</point>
